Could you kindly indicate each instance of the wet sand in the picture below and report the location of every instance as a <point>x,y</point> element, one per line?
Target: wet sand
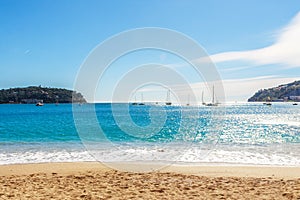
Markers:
<point>96,181</point>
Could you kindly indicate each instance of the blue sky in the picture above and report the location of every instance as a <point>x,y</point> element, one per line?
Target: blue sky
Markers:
<point>45,42</point>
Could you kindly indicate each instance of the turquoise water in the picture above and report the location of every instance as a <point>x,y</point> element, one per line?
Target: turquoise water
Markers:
<point>231,134</point>
<point>25,123</point>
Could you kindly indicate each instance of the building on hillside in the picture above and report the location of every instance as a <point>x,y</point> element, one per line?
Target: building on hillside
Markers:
<point>294,98</point>
<point>31,101</point>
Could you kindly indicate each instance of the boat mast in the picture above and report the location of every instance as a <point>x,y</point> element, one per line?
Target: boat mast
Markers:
<point>168,100</point>
<point>213,97</point>
<point>168,96</point>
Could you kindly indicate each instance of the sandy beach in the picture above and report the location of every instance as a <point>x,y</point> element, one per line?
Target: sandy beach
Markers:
<point>89,180</point>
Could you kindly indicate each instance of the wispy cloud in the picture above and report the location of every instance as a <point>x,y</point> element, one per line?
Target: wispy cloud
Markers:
<point>28,51</point>
<point>285,50</point>
<point>234,89</point>
<point>232,69</point>
<point>242,89</point>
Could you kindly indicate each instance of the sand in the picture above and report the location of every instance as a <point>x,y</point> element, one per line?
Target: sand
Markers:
<point>96,181</point>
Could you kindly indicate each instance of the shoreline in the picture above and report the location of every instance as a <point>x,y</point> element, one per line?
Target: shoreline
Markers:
<point>255,171</point>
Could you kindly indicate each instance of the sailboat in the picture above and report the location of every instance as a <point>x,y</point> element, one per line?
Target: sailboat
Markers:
<point>188,101</point>
<point>168,101</point>
<point>134,103</point>
<point>142,102</point>
<point>268,102</point>
<point>203,103</point>
<point>39,103</point>
<point>213,99</point>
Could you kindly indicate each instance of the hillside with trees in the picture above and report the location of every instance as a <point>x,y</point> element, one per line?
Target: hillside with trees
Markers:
<point>34,94</point>
<point>286,92</point>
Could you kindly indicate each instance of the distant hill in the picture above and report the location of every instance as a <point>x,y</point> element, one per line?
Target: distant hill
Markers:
<point>287,92</point>
<point>34,94</point>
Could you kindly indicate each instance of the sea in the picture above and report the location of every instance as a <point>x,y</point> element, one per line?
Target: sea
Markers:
<point>230,134</point>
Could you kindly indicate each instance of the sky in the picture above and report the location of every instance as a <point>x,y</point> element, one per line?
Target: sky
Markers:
<point>254,44</point>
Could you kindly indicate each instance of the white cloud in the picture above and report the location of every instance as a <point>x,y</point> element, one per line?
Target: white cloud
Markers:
<point>235,68</point>
<point>242,89</point>
<point>285,50</point>
<point>28,51</point>
<point>234,89</point>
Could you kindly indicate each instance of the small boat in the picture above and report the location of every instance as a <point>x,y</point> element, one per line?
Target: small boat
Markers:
<point>168,100</point>
<point>188,103</point>
<point>268,102</point>
<point>134,103</point>
<point>211,104</point>
<point>294,104</point>
<point>213,99</point>
<point>142,102</point>
<point>39,104</point>
<point>203,103</point>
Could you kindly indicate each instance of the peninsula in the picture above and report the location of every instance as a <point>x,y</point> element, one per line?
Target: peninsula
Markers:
<point>34,94</point>
<point>281,93</point>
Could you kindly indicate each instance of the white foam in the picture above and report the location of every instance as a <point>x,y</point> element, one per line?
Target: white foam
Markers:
<point>283,155</point>
<point>44,156</point>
